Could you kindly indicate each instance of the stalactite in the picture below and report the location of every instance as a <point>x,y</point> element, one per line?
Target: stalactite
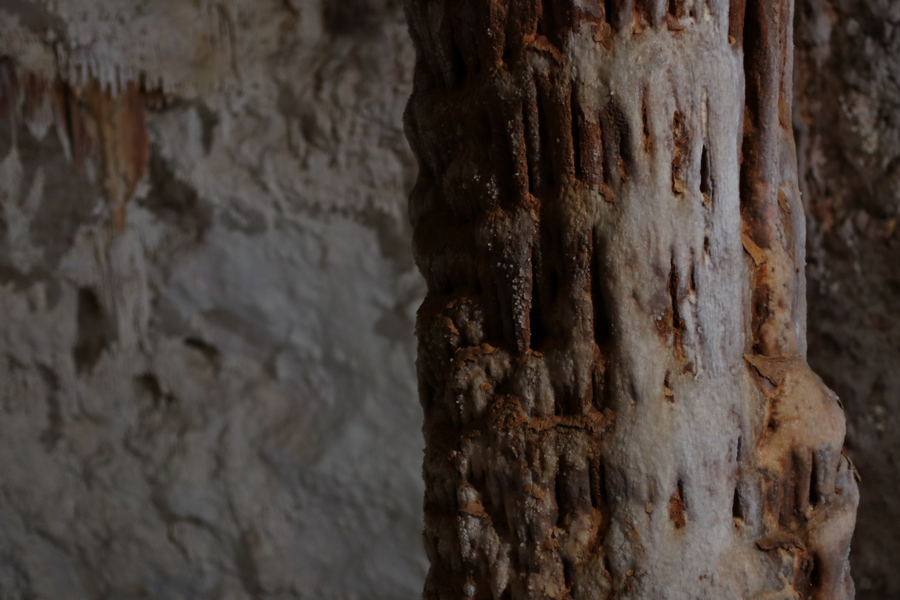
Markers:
<point>98,118</point>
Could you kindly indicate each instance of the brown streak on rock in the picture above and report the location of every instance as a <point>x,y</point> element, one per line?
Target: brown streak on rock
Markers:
<point>736,10</point>
<point>87,115</point>
<point>676,507</point>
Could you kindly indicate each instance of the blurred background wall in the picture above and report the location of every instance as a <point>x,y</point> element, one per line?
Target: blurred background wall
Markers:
<point>847,126</point>
<point>207,295</point>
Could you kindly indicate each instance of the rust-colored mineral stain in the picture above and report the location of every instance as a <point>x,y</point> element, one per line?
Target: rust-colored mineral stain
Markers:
<point>604,35</point>
<point>681,139</point>
<point>124,141</point>
<point>676,510</point>
<point>91,118</point>
<point>736,11</point>
<point>676,8</point>
<point>641,23</point>
<point>674,25</point>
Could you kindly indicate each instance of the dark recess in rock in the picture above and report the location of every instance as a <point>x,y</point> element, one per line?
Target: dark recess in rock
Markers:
<point>96,331</point>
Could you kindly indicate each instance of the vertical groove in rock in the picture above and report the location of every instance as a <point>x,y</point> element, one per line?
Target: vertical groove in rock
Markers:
<point>639,303</point>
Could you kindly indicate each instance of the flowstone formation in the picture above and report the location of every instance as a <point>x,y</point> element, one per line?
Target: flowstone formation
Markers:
<point>612,348</point>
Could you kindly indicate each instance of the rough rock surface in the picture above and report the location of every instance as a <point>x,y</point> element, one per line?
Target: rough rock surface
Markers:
<point>612,347</point>
<point>847,118</point>
<point>207,380</point>
<point>235,437</point>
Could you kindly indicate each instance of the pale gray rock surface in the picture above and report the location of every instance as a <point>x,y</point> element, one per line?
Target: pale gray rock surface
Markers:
<point>219,400</point>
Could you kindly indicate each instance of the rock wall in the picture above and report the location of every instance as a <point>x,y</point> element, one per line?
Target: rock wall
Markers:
<point>847,123</point>
<point>207,293</point>
<point>207,383</point>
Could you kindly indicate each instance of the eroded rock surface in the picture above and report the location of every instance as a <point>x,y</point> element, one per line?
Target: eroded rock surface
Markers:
<point>612,347</point>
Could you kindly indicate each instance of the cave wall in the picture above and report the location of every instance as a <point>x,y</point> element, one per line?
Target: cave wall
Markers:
<point>847,124</point>
<point>207,382</point>
<point>847,127</point>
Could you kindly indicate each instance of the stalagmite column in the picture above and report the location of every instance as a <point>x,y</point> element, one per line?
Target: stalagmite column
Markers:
<point>612,349</point>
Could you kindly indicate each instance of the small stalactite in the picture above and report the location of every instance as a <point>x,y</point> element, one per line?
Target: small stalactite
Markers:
<point>96,120</point>
<point>124,141</point>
